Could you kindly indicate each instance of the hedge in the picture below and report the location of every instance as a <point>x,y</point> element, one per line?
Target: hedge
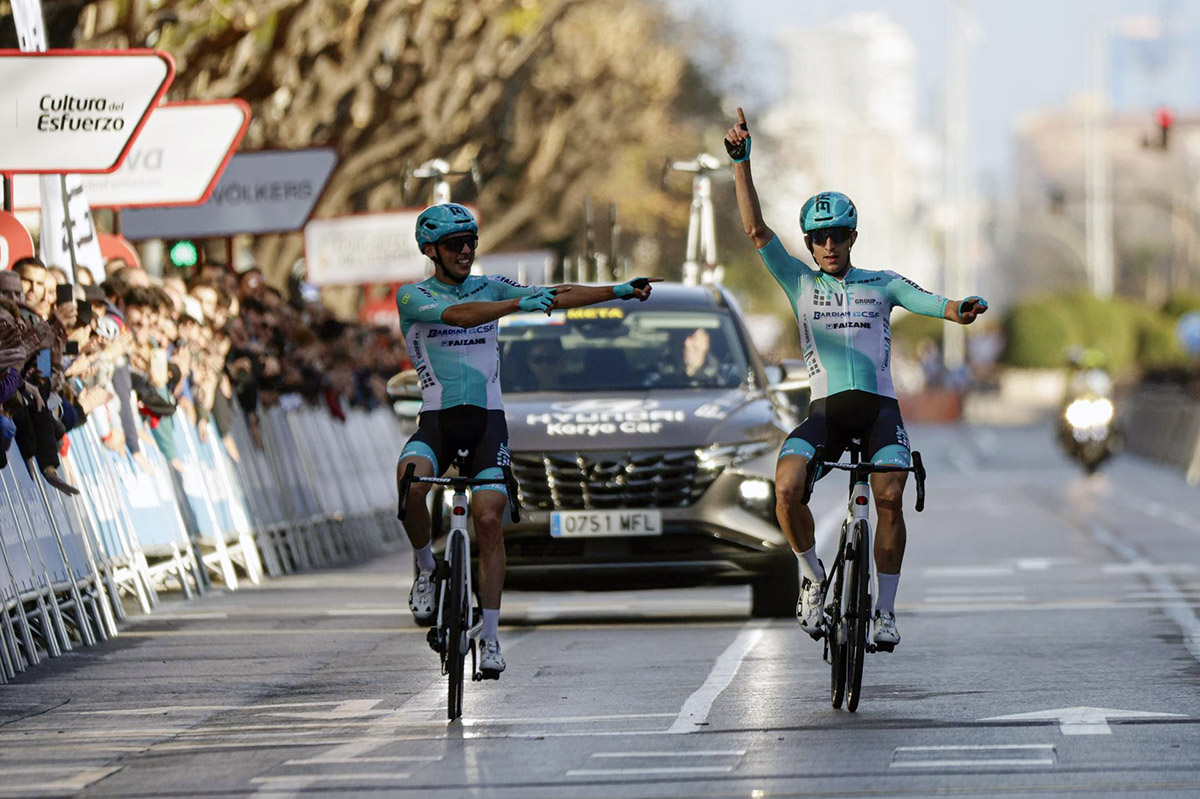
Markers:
<point>1043,330</point>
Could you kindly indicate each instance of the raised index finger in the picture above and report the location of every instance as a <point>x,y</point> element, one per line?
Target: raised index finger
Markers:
<point>741,116</point>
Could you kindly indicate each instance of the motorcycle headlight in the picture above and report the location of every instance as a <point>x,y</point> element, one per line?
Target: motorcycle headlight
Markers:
<point>1086,413</point>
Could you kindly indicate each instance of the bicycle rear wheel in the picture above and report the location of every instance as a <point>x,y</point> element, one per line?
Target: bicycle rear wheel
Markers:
<point>456,625</point>
<point>858,612</point>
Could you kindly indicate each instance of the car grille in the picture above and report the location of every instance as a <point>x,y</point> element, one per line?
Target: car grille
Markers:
<point>598,480</point>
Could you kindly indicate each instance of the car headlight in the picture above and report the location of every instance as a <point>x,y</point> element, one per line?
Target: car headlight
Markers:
<point>758,496</point>
<point>720,456</point>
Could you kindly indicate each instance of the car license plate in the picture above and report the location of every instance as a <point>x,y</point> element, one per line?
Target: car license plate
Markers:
<point>600,523</point>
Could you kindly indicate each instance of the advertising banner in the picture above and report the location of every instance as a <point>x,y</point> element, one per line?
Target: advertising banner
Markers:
<point>363,248</point>
<point>270,191</point>
<point>176,160</point>
<point>76,110</point>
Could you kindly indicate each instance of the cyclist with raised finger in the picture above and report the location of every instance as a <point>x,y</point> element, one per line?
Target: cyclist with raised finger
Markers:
<point>449,323</point>
<point>845,336</point>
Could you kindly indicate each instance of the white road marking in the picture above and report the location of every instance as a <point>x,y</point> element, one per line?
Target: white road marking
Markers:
<point>963,600</point>
<point>694,713</point>
<point>77,782</point>
<point>303,782</point>
<point>1139,565</point>
<point>1083,720</point>
<point>968,571</point>
<point>567,719</point>
<point>1033,564</point>
<point>350,709</point>
<point>1048,761</point>
<point>701,753</point>
<point>326,760</point>
<point>972,747</point>
<point>616,772</point>
<point>1174,605</point>
<point>972,589</point>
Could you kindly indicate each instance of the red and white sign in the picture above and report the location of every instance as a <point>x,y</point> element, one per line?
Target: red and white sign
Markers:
<point>176,160</point>
<point>15,242</point>
<point>77,110</point>
<point>113,246</point>
<point>364,248</point>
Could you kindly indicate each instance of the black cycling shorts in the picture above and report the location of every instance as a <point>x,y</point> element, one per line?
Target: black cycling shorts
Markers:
<point>834,420</point>
<point>440,435</point>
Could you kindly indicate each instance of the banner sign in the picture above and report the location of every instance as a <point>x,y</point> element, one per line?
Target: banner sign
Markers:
<point>176,160</point>
<point>364,248</point>
<point>76,110</point>
<point>270,191</point>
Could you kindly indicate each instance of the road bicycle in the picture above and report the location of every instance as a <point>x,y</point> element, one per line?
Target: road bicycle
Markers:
<point>456,631</point>
<point>849,606</point>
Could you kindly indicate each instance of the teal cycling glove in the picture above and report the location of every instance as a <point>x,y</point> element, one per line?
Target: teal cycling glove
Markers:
<point>540,300</point>
<point>625,290</point>
<point>980,304</point>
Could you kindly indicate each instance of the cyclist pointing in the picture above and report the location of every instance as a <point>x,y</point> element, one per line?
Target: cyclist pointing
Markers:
<point>449,323</point>
<point>845,337</point>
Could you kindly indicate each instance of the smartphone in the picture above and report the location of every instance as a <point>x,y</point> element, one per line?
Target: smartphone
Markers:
<point>71,348</point>
<point>83,313</point>
<point>43,361</point>
<point>64,294</point>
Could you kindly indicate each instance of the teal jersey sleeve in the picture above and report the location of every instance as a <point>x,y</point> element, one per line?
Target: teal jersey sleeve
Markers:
<point>789,272</point>
<point>505,289</point>
<point>907,294</point>
<point>416,304</point>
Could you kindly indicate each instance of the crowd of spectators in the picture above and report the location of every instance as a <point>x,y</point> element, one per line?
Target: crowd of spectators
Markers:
<point>133,352</point>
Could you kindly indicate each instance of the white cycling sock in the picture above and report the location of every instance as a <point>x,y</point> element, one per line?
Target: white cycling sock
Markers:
<point>810,566</point>
<point>491,623</point>
<point>887,592</point>
<point>425,561</point>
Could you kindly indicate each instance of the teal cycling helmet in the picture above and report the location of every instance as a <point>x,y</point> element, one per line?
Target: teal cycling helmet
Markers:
<point>439,221</point>
<point>828,209</point>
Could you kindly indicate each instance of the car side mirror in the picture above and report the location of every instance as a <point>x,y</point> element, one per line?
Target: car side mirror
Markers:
<point>789,379</point>
<point>404,389</point>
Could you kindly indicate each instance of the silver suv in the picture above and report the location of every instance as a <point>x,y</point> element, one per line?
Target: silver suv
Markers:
<point>644,437</point>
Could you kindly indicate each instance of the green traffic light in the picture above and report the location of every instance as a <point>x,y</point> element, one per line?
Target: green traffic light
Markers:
<point>184,254</point>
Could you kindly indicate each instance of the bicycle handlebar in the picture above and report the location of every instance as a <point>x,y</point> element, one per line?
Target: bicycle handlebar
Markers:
<point>508,480</point>
<point>818,462</point>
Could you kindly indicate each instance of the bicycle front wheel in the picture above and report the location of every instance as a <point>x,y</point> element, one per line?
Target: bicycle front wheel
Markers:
<point>858,613</point>
<point>455,615</point>
<point>835,636</point>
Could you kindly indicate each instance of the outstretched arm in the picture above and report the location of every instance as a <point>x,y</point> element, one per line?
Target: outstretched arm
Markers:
<point>737,143</point>
<point>966,311</point>
<point>579,296</point>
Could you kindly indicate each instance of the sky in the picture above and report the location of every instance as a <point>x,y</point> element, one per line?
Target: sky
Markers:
<point>1027,55</point>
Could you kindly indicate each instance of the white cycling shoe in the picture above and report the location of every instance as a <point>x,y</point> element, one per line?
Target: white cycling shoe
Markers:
<point>422,599</point>
<point>884,634</point>
<point>490,658</point>
<point>810,609</point>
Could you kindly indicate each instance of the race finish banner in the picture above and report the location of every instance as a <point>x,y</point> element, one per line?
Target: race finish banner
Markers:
<point>364,248</point>
<point>76,110</point>
<point>169,164</point>
<point>270,191</point>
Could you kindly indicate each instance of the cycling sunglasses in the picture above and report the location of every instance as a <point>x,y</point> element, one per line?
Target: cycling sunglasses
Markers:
<point>456,243</point>
<point>838,234</point>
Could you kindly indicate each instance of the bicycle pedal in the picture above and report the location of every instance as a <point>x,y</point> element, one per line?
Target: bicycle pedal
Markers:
<point>489,674</point>
<point>431,638</point>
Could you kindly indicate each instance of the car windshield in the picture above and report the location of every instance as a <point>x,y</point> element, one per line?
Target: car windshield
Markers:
<point>610,348</point>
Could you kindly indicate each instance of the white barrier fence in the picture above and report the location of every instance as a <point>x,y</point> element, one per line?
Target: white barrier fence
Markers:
<point>319,491</point>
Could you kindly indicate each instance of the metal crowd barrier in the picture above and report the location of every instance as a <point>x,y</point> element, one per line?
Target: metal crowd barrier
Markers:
<point>1163,423</point>
<point>319,491</point>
